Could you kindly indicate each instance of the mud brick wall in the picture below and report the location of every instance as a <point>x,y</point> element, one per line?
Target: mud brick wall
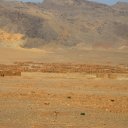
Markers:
<point>100,70</point>
<point>107,75</point>
<point>10,73</point>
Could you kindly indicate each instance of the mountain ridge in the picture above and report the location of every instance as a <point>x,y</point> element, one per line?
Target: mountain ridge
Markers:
<point>69,23</point>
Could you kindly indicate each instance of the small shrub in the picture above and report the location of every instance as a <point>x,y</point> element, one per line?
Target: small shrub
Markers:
<point>82,114</point>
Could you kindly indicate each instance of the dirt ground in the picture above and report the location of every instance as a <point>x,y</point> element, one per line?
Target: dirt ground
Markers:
<point>63,100</point>
<point>10,55</point>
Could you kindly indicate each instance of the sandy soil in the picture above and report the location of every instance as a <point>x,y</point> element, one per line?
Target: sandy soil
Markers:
<point>51,100</point>
<point>65,55</point>
<point>10,55</point>
<point>73,100</point>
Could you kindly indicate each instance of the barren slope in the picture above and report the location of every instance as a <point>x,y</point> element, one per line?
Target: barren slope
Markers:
<point>70,23</point>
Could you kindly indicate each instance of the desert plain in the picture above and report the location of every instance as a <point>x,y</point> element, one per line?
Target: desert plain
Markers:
<point>63,64</point>
<point>44,97</point>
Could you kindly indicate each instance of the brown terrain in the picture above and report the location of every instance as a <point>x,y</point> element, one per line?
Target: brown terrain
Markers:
<point>63,64</point>
<point>45,95</point>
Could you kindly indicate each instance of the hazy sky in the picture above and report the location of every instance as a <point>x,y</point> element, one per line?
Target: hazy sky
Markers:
<point>31,0</point>
<point>101,1</point>
<point>109,1</point>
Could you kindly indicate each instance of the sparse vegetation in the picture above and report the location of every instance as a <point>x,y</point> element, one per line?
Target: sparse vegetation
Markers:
<point>82,114</point>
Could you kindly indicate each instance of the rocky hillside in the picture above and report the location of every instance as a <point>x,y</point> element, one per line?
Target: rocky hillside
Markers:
<point>65,23</point>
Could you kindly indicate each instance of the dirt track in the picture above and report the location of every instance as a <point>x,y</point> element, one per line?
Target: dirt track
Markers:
<point>60,100</point>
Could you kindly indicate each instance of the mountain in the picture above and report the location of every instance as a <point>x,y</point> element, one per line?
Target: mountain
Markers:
<point>64,23</point>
